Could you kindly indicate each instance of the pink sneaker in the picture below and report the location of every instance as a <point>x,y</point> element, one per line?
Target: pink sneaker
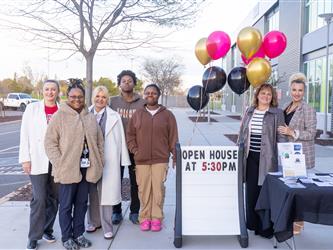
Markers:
<point>145,225</point>
<point>156,225</point>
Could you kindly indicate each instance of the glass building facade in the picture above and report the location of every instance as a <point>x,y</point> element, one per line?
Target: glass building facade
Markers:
<point>312,9</point>
<point>272,20</point>
<point>315,70</point>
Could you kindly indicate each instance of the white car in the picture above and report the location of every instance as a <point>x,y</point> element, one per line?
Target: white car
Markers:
<point>16,100</point>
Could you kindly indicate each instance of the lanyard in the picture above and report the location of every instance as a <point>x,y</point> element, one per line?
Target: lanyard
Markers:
<point>85,149</point>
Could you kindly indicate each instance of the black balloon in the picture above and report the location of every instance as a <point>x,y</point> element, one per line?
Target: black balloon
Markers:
<point>238,81</point>
<point>213,79</point>
<point>196,97</point>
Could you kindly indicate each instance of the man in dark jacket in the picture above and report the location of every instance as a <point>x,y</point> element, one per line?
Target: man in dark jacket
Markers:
<point>126,104</point>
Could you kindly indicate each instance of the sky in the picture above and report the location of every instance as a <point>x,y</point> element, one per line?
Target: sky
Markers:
<point>217,15</point>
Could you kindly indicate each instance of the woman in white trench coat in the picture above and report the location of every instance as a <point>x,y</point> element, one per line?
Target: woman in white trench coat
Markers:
<point>107,192</point>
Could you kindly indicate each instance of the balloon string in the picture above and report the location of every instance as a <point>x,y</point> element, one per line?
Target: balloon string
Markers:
<point>198,113</point>
<point>210,71</point>
<point>189,143</point>
<point>204,92</point>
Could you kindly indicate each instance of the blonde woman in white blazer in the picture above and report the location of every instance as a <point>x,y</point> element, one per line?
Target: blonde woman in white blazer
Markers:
<point>32,156</point>
<point>115,153</point>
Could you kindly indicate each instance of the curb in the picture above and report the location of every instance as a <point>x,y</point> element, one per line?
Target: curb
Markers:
<point>12,194</point>
<point>16,121</point>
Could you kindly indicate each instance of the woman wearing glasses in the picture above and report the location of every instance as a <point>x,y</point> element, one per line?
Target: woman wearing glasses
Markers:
<point>151,137</point>
<point>74,144</point>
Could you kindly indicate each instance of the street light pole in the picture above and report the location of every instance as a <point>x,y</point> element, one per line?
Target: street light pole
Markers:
<point>328,18</point>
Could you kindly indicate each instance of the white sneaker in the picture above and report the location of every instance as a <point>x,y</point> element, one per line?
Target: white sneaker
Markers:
<point>91,228</point>
<point>108,235</point>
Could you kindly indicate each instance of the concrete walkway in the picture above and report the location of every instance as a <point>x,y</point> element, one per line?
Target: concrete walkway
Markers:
<point>14,216</point>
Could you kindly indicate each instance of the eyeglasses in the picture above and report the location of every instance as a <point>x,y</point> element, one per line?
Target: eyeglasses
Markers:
<point>74,97</point>
<point>151,93</point>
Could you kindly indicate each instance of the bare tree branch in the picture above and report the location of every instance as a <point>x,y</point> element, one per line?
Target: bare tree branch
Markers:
<point>166,73</point>
<point>87,26</point>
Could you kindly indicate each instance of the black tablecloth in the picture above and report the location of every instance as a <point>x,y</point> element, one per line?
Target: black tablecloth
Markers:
<point>280,206</point>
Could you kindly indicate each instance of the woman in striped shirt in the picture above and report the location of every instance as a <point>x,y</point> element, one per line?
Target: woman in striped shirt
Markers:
<point>259,134</point>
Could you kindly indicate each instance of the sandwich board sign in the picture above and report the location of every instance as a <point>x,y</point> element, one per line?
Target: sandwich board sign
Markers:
<point>209,193</point>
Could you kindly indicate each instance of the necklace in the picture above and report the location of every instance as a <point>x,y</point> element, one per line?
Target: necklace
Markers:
<point>291,108</point>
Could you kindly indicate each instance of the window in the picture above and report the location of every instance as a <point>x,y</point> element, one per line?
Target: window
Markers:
<point>224,63</point>
<point>315,71</point>
<point>274,78</point>
<point>25,96</point>
<point>234,56</point>
<point>273,20</point>
<point>312,9</point>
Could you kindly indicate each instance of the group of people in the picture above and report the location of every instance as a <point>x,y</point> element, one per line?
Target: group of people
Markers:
<point>262,127</point>
<point>75,157</point>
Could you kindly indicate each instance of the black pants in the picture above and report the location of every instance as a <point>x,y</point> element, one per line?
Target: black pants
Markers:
<point>135,202</point>
<point>253,221</point>
<point>43,205</point>
<point>73,199</point>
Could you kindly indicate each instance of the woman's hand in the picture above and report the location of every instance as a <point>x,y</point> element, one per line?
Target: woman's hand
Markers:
<point>285,130</point>
<point>26,167</point>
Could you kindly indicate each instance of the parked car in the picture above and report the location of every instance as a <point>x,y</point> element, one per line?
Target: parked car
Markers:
<point>18,101</point>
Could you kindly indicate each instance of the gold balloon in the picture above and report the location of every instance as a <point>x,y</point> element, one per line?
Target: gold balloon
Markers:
<point>201,51</point>
<point>248,41</point>
<point>258,71</point>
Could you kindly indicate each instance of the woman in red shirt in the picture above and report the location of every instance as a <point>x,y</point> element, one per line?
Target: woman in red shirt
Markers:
<point>32,156</point>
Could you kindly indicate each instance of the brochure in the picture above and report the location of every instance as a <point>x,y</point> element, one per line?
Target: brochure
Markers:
<point>295,185</point>
<point>288,148</point>
<point>293,165</point>
<point>323,184</point>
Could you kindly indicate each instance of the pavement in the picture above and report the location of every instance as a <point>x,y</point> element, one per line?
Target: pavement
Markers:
<point>14,216</point>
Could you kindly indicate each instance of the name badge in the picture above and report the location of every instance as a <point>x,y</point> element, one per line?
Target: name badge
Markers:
<point>85,163</point>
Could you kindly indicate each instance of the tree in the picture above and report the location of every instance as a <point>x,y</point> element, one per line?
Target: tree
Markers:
<point>20,84</point>
<point>112,87</point>
<point>23,84</point>
<point>165,73</point>
<point>5,86</point>
<point>86,26</point>
<point>139,86</point>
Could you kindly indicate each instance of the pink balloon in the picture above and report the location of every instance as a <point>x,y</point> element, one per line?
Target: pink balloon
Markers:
<point>275,42</point>
<point>218,44</point>
<point>260,53</point>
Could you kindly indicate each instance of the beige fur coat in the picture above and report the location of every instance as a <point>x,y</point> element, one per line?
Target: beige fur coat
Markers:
<point>64,142</point>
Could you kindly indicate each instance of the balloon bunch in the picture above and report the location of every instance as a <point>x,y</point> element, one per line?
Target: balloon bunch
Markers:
<point>213,79</point>
<point>214,47</point>
<point>254,49</point>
